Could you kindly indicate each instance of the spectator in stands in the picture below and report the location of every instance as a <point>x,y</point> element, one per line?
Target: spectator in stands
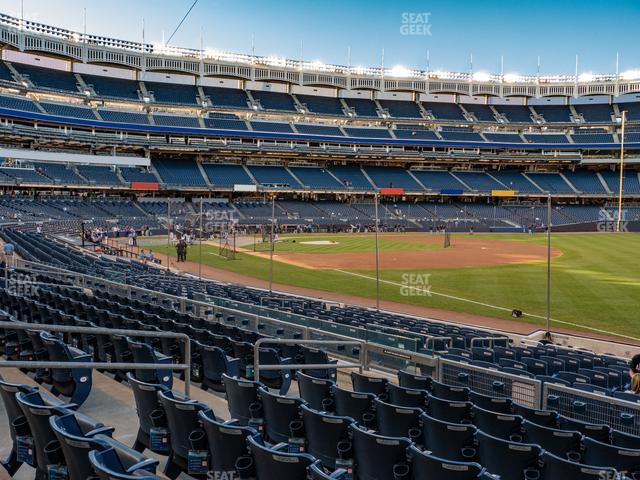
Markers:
<point>634,365</point>
<point>143,255</point>
<point>635,384</point>
<point>8,249</point>
<point>152,256</point>
<point>39,229</point>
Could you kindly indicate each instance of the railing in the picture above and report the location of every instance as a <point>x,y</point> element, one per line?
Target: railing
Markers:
<point>495,383</point>
<point>316,366</point>
<point>186,367</point>
<point>592,407</point>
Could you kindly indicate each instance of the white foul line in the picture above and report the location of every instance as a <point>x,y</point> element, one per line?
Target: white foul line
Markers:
<point>488,305</point>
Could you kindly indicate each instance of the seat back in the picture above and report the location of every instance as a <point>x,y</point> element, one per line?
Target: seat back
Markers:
<point>352,404</point>
<point>37,413</point>
<point>596,431</point>
<point>546,418</point>
<point>8,393</point>
<point>279,412</point>
<point>75,446</point>
<point>146,398</point>
<point>499,425</point>
<point>425,465</point>
<point>242,397</point>
<point>448,410</point>
<point>559,442</point>
<point>182,419</point>
<point>376,456</point>
<point>448,392</point>
<point>556,468</point>
<point>227,441</point>
<point>505,458</point>
<point>395,421</point>
<point>622,459</point>
<point>327,436</point>
<point>406,397</point>
<point>366,384</point>
<point>315,391</point>
<point>410,380</point>
<point>271,464</point>
<point>447,440</point>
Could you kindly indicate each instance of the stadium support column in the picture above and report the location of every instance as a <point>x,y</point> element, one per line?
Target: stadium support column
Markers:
<point>271,244</point>
<point>619,222</point>
<point>548,266</point>
<point>376,201</point>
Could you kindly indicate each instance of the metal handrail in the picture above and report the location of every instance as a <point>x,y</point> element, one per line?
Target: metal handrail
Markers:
<point>186,367</point>
<point>288,341</point>
<point>490,339</point>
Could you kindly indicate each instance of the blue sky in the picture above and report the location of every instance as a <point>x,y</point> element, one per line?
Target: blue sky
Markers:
<point>520,30</point>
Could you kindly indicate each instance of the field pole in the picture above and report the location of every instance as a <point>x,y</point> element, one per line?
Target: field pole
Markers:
<point>548,266</point>
<point>619,222</point>
<point>376,200</point>
<point>271,244</point>
<point>168,232</point>
<point>200,245</point>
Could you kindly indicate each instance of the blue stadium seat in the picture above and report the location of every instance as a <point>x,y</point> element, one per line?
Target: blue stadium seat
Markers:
<point>410,380</point>
<point>215,362</point>
<point>327,437</point>
<point>77,438</point>
<point>452,441</point>
<point>509,460</point>
<point>243,399</point>
<point>425,465</point>
<point>367,384</point>
<point>277,462</point>
<point>451,411</point>
<point>227,442</point>
<point>376,457</point>
<point>406,397</point>
<point>556,468</point>
<point>564,443</point>
<point>108,466</point>
<point>184,427</point>
<point>17,422</point>
<point>74,383</point>
<point>356,405</point>
<point>280,413</point>
<point>395,421</point>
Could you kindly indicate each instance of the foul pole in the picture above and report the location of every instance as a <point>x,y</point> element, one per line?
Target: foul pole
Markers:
<point>619,222</point>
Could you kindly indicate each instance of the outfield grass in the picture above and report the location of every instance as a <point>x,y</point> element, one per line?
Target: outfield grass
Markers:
<point>595,283</point>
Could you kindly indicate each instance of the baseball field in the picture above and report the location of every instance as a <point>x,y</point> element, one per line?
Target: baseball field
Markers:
<point>595,277</point>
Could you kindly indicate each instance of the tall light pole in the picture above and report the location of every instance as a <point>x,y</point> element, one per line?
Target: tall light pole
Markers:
<point>619,222</point>
<point>168,231</point>
<point>376,200</point>
<point>200,245</point>
<point>548,265</point>
<point>271,243</point>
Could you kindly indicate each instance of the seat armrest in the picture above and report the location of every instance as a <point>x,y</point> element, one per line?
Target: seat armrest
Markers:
<point>108,431</point>
<point>148,465</point>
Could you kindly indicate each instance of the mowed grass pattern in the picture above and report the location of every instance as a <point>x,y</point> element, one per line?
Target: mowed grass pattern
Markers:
<point>344,243</point>
<point>595,283</point>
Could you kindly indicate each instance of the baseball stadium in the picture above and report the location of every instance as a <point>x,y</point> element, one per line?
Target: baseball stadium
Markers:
<point>230,266</point>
